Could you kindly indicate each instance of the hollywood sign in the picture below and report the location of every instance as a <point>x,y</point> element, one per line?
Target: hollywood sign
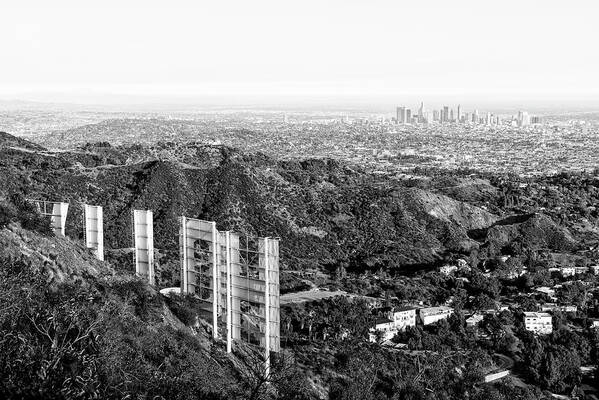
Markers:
<point>236,277</point>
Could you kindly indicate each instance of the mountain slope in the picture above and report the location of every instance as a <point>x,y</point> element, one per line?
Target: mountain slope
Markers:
<point>326,213</point>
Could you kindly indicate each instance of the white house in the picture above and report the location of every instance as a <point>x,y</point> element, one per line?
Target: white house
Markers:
<point>395,320</point>
<point>581,270</point>
<point>538,322</point>
<point>403,317</point>
<point>448,269</point>
<point>569,308</point>
<point>474,320</point>
<point>430,315</point>
<point>548,307</point>
<point>548,291</point>
<point>568,271</point>
<point>386,327</point>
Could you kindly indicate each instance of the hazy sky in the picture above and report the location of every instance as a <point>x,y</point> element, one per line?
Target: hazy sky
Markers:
<point>300,48</point>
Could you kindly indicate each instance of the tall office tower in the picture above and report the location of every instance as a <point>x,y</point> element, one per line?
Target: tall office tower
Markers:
<point>421,112</point>
<point>459,116</point>
<point>401,115</point>
<point>435,115</point>
<point>475,117</point>
<point>488,119</point>
<point>445,113</point>
<point>451,117</point>
<point>408,119</point>
<point>525,119</point>
<point>467,118</point>
<point>428,117</point>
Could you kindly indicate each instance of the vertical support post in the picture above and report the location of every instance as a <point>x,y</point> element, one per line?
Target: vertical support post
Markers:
<point>266,308</point>
<point>62,218</point>
<point>215,293</point>
<point>100,249</point>
<point>150,233</point>
<point>143,234</point>
<point>228,290</point>
<point>183,250</point>
<point>94,229</point>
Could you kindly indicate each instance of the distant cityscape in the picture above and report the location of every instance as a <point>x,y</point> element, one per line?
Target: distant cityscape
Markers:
<point>447,115</point>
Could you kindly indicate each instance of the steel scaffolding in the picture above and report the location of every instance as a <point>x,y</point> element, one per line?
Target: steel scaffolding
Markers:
<point>237,279</point>
<point>56,211</point>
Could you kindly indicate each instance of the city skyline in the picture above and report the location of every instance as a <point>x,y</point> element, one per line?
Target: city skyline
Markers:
<point>447,114</point>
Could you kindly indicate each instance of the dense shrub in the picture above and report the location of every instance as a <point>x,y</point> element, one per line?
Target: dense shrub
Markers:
<point>17,209</point>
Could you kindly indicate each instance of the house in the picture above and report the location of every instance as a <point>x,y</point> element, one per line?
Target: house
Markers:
<point>548,307</point>
<point>569,308</point>
<point>448,269</point>
<point>463,265</point>
<point>430,315</point>
<point>495,311</point>
<point>403,317</point>
<point>474,320</point>
<point>594,323</point>
<point>383,327</point>
<point>547,291</point>
<point>567,271</point>
<point>516,273</point>
<point>539,323</point>
<point>594,269</point>
<point>581,270</point>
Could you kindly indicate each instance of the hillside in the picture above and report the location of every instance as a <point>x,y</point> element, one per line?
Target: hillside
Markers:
<point>326,213</point>
<point>71,327</point>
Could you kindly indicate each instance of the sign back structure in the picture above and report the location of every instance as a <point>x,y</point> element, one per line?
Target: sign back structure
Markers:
<point>94,229</point>
<point>198,244</point>
<point>255,291</point>
<point>57,212</point>
<point>255,309</point>
<point>237,279</point>
<point>143,242</point>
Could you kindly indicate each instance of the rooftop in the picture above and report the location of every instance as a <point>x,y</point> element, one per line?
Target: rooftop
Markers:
<point>529,314</point>
<point>434,310</point>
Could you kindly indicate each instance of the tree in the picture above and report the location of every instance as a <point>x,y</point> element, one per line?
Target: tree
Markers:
<point>533,352</point>
<point>560,369</point>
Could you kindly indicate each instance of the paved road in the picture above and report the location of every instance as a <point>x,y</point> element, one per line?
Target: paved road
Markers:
<point>503,362</point>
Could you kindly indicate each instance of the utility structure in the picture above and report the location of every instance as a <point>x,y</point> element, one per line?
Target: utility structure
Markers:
<point>94,229</point>
<point>57,212</point>
<point>143,242</point>
<point>237,279</point>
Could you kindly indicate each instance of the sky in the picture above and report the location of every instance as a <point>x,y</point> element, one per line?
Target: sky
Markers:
<point>278,49</point>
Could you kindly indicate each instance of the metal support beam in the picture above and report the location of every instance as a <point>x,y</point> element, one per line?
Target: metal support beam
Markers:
<point>143,234</point>
<point>56,211</point>
<point>267,267</point>
<point>228,291</point>
<point>94,229</point>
